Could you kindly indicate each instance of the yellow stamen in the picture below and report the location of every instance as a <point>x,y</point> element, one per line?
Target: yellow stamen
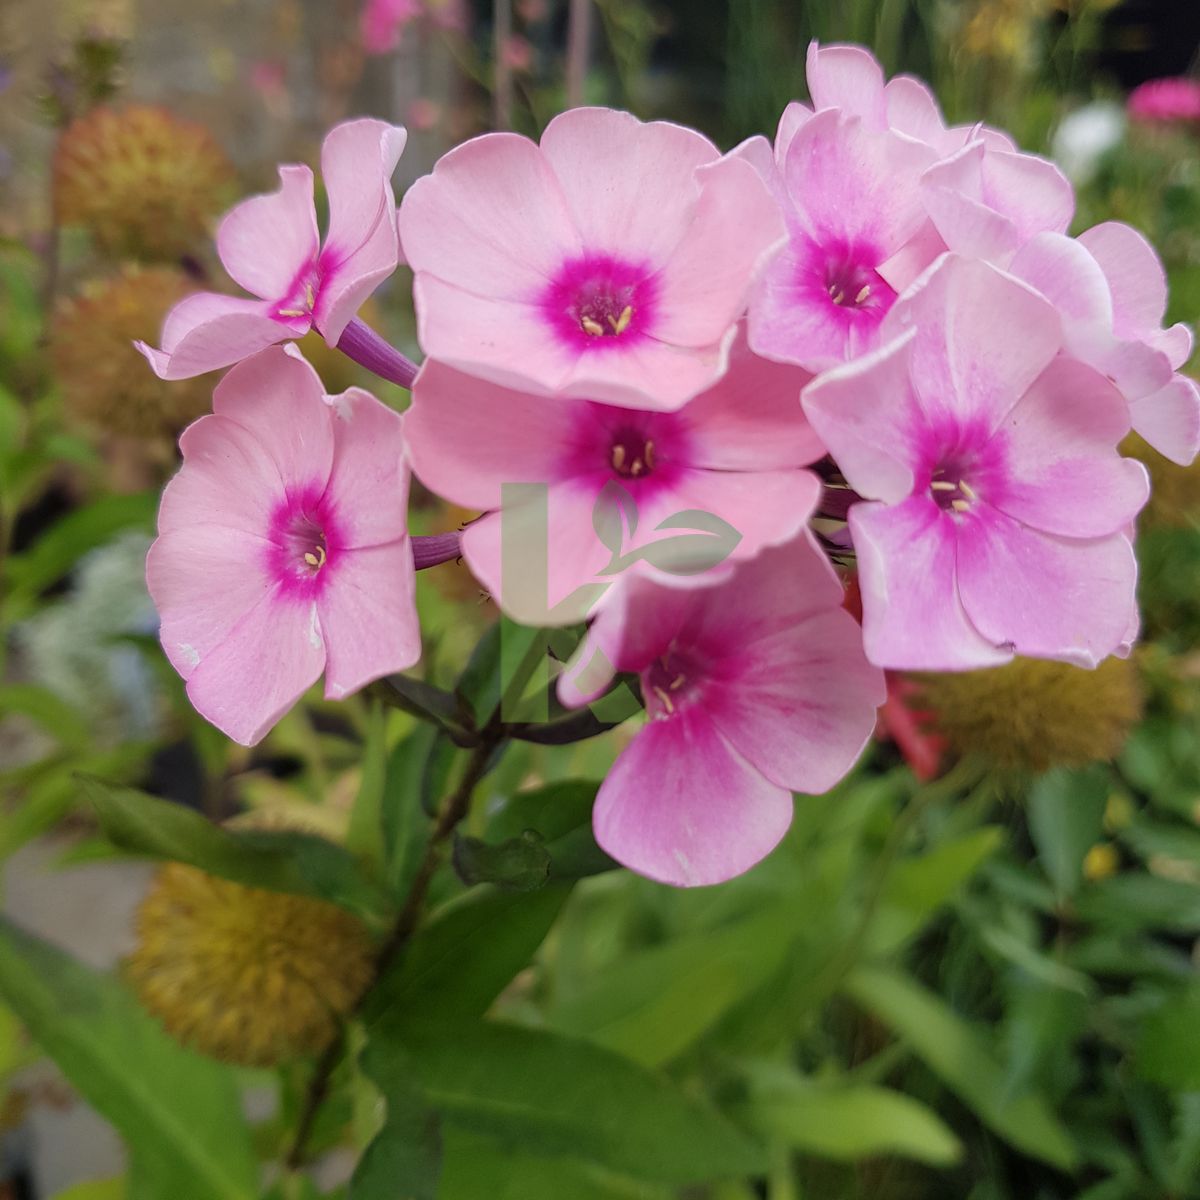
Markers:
<point>967,490</point>
<point>678,682</point>
<point>622,322</point>
<point>666,700</point>
<point>309,296</point>
<point>292,312</point>
<point>315,559</point>
<point>637,468</point>
<point>942,485</point>
<point>862,295</point>
<point>836,295</point>
<point>590,327</point>
<point>959,505</point>
<point>618,456</point>
<point>649,456</point>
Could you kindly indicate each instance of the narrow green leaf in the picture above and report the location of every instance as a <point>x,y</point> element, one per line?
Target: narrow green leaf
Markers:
<point>1066,818</point>
<point>557,1096</point>
<point>1169,1049</point>
<point>182,1112</point>
<point>298,863</point>
<point>852,1121</point>
<point>405,824</point>
<point>64,721</point>
<point>958,1054</point>
<point>364,831</point>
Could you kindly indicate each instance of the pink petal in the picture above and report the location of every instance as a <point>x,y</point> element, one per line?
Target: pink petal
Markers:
<point>491,220</point>
<point>542,563</point>
<point>982,337</point>
<point>848,78</point>
<point>866,414</point>
<point>793,118</point>
<point>913,618</point>
<point>1064,473</point>
<point>681,806</point>
<point>735,227</point>
<point>1031,191</point>
<point>1068,276</point>
<point>368,482</point>
<point>760,154</point>
<point>851,182</point>
<point>968,226</point>
<point>357,161</point>
<point>279,398</point>
<point>346,287</point>
<point>751,419</point>
<point>265,664</point>
<point>208,331</point>
<point>467,437</point>
<point>267,241</point>
<point>504,341</point>
<point>1169,419</point>
<point>1134,273</point>
<point>368,616</point>
<point>1175,343</point>
<point>204,579</point>
<point>227,479</point>
<point>913,111</point>
<point>1043,596</point>
<point>630,185</point>
<point>801,705</point>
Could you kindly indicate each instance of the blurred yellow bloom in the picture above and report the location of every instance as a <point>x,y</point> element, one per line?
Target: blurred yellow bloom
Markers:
<point>1101,861</point>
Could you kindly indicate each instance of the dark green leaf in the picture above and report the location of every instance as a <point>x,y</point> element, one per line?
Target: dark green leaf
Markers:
<point>1066,818</point>
<point>519,864</point>
<point>1169,1048</point>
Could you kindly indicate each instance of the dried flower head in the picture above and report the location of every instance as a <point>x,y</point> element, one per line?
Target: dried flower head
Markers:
<point>145,183</point>
<point>245,975</point>
<point>1033,714</point>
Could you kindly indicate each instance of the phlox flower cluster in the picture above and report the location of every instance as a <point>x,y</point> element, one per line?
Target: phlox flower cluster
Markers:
<point>693,396</point>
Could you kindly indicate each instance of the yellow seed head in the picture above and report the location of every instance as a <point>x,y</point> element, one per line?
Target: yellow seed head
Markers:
<point>105,382</point>
<point>245,975</point>
<point>1032,714</point>
<point>145,184</point>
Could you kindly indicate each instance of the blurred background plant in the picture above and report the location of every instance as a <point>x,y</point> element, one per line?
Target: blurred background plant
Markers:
<point>970,971</point>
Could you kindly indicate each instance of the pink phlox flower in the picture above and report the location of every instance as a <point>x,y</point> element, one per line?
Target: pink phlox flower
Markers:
<point>1110,290</point>
<point>755,688</point>
<point>851,197</point>
<point>615,490</point>
<point>998,506</point>
<point>382,23</point>
<point>609,263</point>
<point>282,548</point>
<point>270,246</point>
<point>1163,100</point>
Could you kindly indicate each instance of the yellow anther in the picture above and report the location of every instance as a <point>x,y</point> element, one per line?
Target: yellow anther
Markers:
<point>678,682</point>
<point>863,294</point>
<point>309,296</point>
<point>618,456</point>
<point>666,700</point>
<point>637,468</point>
<point>621,323</point>
<point>292,312</point>
<point>836,295</point>
<point>315,558</point>
<point>967,490</point>
<point>649,454</point>
<point>959,505</point>
<point>942,485</point>
<point>590,327</point>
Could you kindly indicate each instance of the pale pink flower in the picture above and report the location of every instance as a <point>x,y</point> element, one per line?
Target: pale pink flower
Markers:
<point>733,453</point>
<point>852,200</point>
<point>270,246</point>
<point>610,263</point>
<point>755,688</point>
<point>1110,290</point>
<point>998,501</point>
<point>282,548</point>
<point>1162,100</point>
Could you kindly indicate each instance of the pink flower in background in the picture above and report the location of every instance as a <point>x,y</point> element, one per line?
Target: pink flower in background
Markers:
<point>609,263</point>
<point>270,246</point>
<point>754,688</point>
<point>852,201</point>
<point>1110,290</point>
<point>382,23</point>
<point>518,53</point>
<point>423,114</point>
<point>733,453</point>
<point>282,548</point>
<point>1162,100</point>
<point>999,503</point>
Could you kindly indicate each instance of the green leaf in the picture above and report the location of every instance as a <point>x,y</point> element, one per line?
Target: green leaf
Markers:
<point>181,1112</point>
<point>64,721</point>
<point>849,1121</point>
<point>467,955</point>
<point>960,1057</point>
<point>1066,818</point>
<point>651,1006</point>
<point>95,1189</point>
<point>298,863</point>
<point>479,1167</point>
<point>405,1157</point>
<point>519,864</point>
<point>363,833</point>
<point>556,1096</point>
<point>1169,1050</point>
<point>561,813</point>
<point>404,822</point>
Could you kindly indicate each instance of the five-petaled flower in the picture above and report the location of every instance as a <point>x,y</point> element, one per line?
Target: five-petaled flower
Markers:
<point>282,548</point>
<point>270,246</point>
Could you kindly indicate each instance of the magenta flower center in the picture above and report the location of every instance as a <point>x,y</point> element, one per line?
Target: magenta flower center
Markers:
<point>600,301</point>
<point>302,295</point>
<point>669,684</point>
<point>950,488</point>
<point>303,544</point>
<point>632,454</point>
<point>854,285</point>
